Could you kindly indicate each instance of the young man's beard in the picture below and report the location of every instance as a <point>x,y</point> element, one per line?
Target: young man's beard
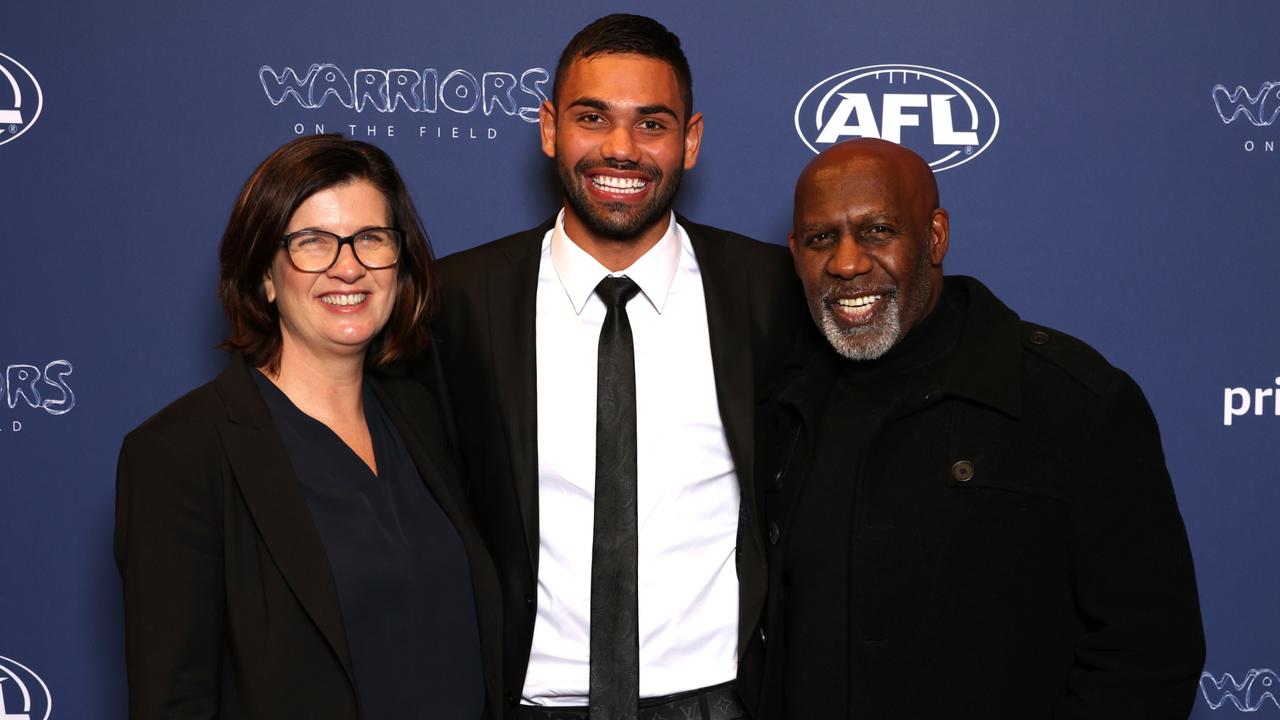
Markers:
<point>618,221</point>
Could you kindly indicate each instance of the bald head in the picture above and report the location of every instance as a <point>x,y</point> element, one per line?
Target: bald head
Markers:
<point>868,240</point>
<point>879,161</point>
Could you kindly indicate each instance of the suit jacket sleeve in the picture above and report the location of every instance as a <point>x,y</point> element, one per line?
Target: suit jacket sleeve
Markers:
<point>1135,587</point>
<point>168,548</point>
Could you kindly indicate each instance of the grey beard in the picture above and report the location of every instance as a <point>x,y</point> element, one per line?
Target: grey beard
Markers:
<point>871,342</point>
<point>864,343</point>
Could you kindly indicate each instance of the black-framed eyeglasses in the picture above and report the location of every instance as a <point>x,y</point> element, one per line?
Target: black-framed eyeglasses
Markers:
<point>315,251</point>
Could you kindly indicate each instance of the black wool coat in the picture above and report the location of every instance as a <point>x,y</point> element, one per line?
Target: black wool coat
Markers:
<point>1016,547</point>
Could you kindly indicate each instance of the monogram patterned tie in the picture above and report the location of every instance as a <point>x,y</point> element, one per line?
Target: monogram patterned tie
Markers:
<point>615,629</point>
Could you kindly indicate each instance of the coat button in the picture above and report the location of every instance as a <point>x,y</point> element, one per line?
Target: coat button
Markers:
<point>962,471</point>
<point>513,698</point>
<point>1039,337</point>
<point>528,601</point>
<point>774,532</point>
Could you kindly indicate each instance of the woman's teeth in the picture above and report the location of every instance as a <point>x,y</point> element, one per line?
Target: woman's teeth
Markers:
<point>349,299</point>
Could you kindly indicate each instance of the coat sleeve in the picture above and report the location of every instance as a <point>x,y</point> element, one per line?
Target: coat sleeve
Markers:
<point>1143,646</point>
<point>168,548</point>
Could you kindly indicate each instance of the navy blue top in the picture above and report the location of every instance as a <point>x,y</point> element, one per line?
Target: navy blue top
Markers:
<point>403,579</point>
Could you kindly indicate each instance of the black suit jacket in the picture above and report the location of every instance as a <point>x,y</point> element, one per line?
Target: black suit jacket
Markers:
<point>230,606</point>
<point>485,342</point>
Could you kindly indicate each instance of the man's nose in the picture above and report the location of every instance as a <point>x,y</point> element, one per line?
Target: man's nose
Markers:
<point>619,145</point>
<point>849,259</point>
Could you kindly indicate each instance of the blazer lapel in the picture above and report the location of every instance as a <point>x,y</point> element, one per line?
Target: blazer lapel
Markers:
<point>512,295</point>
<point>418,415</point>
<point>724,282</point>
<point>266,479</point>
<point>422,431</point>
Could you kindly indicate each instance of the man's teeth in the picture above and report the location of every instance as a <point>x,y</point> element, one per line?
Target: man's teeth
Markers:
<point>858,302</point>
<point>351,299</point>
<point>625,186</point>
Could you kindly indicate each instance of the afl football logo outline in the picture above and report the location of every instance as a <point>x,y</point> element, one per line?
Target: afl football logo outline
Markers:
<point>10,671</point>
<point>828,122</point>
<point>18,118</point>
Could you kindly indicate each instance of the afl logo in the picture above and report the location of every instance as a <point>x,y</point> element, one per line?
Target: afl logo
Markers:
<point>20,100</point>
<point>23,695</point>
<point>940,115</point>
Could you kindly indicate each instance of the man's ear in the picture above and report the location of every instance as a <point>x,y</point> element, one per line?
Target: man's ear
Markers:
<point>692,140</point>
<point>939,236</point>
<point>547,127</point>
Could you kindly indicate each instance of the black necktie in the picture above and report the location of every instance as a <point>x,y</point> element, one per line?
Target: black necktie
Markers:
<point>615,628</point>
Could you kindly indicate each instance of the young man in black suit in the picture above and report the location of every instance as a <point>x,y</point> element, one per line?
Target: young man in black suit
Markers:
<point>634,578</point>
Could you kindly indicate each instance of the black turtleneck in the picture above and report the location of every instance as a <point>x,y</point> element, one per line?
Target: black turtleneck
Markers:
<point>819,598</point>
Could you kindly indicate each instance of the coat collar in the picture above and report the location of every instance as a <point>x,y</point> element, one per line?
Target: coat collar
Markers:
<point>264,474</point>
<point>984,367</point>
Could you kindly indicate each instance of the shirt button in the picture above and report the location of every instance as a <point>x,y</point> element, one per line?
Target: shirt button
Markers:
<point>962,471</point>
<point>1039,337</point>
<point>774,532</point>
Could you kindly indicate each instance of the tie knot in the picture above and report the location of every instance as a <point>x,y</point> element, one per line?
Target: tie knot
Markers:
<point>616,292</point>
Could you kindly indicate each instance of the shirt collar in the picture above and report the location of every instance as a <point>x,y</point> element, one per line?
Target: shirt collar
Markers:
<point>654,271</point>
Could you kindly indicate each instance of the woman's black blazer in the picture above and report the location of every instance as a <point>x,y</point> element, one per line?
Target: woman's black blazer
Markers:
<point>230,606</point>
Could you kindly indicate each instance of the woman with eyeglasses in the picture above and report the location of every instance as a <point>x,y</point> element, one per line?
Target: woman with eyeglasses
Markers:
<point>293,536</point>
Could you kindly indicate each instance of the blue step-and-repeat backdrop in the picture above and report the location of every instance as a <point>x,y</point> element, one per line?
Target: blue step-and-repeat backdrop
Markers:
<point>1111,169</point>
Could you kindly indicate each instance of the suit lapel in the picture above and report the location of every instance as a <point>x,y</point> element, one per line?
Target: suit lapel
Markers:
<point>279,510</point>
<point>724,282</point>
<point>512,295</point>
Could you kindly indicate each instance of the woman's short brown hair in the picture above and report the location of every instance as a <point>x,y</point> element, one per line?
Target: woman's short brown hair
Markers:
<point>290,175</point>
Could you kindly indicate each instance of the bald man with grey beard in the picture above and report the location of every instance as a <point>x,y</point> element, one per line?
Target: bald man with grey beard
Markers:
<point>970,515</point>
